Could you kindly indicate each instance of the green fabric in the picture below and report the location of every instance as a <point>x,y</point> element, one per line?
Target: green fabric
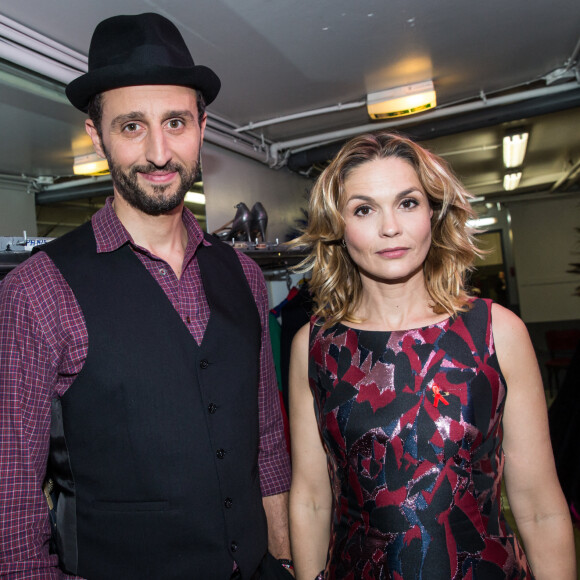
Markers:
<point>275,339</point>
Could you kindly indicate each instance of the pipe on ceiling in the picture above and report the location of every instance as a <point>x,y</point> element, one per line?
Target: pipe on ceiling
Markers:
<point>568,175</point>
<point>253,149</point>
<point>17,34</point>
<point>458,120</point>
<point>74,191</point>
<point>31,50</point>
<point>315,112</point>
<point>438,113</point>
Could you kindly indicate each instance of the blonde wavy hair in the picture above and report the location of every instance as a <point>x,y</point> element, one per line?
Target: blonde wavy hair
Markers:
<point>335,283</point>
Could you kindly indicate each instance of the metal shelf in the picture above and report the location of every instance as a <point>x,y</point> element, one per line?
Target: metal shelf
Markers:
<point>9,261</point>
<point>276,260</point>
<point>266,259</point>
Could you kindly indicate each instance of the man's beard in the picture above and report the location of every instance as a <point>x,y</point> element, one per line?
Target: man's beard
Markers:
<point>128,187</point>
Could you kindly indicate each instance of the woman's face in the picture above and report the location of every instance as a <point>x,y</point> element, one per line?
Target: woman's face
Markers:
<point>387,220</point>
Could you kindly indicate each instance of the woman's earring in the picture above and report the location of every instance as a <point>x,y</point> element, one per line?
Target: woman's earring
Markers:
<point>343,243</point>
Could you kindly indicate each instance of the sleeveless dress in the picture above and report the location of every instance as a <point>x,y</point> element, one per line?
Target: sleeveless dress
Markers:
<point>412,425</point>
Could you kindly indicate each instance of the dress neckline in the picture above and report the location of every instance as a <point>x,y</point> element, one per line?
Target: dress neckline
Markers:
<point>441,324</point>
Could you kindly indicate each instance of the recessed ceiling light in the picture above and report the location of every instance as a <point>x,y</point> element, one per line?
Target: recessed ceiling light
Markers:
<point>514,149</point>
<point>511,180</point>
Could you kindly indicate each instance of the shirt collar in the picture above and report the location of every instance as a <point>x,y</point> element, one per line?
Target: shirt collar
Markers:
<point>110,234</point>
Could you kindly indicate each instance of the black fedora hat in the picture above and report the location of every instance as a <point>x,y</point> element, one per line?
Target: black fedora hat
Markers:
<point>140,49</point>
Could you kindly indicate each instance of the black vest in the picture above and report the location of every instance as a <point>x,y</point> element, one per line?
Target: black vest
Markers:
<point>154,447</point>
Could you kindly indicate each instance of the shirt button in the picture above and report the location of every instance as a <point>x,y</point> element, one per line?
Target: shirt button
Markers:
<point>162,271</point>
<point>204,363</point>
<point>234,546</point>
<point>220,453</point>
<point>228,502</point>
<point>212,408</point>
<point>188,320</point>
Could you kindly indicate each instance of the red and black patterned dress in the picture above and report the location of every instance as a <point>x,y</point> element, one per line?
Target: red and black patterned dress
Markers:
<point>411,422</point>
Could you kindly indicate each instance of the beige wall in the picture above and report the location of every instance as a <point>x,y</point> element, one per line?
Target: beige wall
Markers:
<point>17,209</point>
<point>545,242</point>
<point>229,178</point>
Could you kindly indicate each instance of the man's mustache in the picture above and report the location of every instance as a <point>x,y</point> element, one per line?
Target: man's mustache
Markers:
<point>152,168</point>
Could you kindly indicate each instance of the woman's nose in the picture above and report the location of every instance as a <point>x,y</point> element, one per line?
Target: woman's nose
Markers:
<point>390,225</point>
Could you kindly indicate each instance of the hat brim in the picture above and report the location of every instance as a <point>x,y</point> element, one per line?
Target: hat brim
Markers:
<point>201,78</point>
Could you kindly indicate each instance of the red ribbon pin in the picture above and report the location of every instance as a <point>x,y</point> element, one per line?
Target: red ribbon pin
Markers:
<point>438,396</point>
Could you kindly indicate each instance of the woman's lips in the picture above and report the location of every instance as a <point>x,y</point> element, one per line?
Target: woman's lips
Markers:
<point>393,252</point>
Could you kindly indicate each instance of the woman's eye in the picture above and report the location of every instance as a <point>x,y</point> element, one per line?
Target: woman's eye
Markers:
<point>362,210</point>
<point>409,203</point>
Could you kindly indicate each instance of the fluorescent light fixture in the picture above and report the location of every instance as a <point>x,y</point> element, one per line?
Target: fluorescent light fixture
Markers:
<point>90,164</point>
<point>195,197</point>
<point>482,222</point>
<point>511,180</point>
<point>514,149</point>
<point>402,101</point>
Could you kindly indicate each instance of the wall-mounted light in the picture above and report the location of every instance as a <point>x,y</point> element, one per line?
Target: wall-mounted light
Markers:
<point>514,149</point>
<point>402,101</point>
<point>90,164</point>
<point>195,197</point>
<point>482,222</point>
<point>511,180</point>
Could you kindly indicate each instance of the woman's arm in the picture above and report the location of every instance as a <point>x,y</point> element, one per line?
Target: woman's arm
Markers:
<point>310,492</point>
<point>534,493</point>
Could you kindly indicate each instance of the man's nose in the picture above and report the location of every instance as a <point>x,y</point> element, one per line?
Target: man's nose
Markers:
<point>157,151</point>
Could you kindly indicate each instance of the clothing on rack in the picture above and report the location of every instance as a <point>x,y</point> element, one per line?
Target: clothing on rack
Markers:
<point>275,338</point>
<point>294,314</point>
<point>564,419</point>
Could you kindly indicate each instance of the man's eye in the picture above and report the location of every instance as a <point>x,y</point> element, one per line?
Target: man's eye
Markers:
<point>131,127</point>
<point>175,123</point>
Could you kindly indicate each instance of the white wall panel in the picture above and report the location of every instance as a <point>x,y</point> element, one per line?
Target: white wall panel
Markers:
<point>17,210</point>
<point>229,178</point>
<point>545,243</point>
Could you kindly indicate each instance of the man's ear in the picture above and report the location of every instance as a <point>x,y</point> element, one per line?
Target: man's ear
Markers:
<point>202,125</point>
<point>95,138</point>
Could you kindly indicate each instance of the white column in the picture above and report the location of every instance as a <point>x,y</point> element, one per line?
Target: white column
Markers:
<point>17,208</point>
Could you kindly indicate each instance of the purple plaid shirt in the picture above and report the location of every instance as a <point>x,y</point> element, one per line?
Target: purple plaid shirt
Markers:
<point>43,345</point>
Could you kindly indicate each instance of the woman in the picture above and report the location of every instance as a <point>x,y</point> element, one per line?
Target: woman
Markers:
<point>408,398</point>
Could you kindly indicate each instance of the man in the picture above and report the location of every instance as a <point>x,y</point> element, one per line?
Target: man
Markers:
<point>135,366</point>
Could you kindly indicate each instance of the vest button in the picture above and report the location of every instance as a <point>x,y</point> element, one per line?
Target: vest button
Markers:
<point>228,502</point>
<point>220,453</point>
<point>212,408</point>
<point>234,546</point>
<point>204,363</point>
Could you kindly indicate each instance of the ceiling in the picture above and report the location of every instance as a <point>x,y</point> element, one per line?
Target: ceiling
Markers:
<point>495,65</point>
